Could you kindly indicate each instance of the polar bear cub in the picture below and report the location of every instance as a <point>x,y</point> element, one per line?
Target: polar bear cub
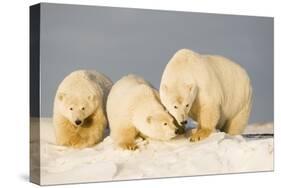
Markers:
<point>79,109</point>
<point>134,107</point>
<point>212,90</point>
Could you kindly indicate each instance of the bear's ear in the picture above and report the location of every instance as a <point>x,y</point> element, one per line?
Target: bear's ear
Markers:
<point>61,96</point>
<point>91,97</point>
<point>148,119</point>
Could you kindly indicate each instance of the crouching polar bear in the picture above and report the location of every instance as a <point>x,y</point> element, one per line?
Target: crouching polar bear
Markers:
<point>210,89</point>
<point>79,109</point>
<point>133,108</point>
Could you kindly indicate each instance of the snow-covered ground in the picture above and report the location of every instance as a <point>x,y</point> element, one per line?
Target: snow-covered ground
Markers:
<point>218,154</point>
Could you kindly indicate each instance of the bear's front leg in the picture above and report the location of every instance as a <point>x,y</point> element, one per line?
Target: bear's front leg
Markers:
<point>65,132</point>
<point>75,140</point>
<point>126,138</point>
<point>79,140</point>
<point>200,134</point>
<point>208,118</point>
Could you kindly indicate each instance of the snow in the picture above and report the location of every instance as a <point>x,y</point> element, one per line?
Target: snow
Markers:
<point>218,154</point>
<point>259,128</point>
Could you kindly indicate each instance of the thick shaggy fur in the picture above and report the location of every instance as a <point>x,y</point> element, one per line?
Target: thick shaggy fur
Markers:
<point>211,89</point>
<point>79,109</point>
<point>134,108</point>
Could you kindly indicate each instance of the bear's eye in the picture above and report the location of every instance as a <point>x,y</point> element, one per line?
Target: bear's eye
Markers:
<point>83,108</point>
<point>70,108</point>
<point>175,107</point>
<point>187,105</point>
<point>165,124</point>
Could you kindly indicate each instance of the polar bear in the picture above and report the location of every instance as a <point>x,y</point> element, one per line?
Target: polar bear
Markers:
<point>134,108</point>
<point>79,112</point>
<point>211,89</point>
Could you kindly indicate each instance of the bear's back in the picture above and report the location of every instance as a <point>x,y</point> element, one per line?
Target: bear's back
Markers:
<point>123,88</point>
<point>104,82</point>
<point>224,66</point>
<point>234,83</point>
<point>232,77</point>
<point>126,93</point>
<point>84,82</point>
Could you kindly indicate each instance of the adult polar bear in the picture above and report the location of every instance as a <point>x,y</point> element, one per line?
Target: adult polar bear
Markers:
<point>212,90</point>
<point>133,108</point>
<point>79,108</point>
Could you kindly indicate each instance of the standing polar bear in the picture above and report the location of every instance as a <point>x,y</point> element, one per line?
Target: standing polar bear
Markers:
<point>79,109</point>
<point>210,89</point>
<point>134,107</point>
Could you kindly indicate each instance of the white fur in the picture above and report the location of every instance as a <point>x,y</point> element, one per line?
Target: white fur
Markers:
<point>217,91</point>
<point>133,106</point>
<point>81,96</point>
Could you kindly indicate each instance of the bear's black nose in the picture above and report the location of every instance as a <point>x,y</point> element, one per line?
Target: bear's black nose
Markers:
<point>180,130</point>
<point>184,122</point>
<point>78,122</point>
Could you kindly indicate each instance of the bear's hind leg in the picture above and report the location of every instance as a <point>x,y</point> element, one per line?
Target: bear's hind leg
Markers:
<point>237,124</point>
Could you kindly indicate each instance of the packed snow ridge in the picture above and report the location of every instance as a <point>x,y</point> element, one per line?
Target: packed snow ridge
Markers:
<point>218,154</point>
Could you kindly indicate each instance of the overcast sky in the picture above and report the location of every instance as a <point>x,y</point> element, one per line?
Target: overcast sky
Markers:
<point>118,41</point>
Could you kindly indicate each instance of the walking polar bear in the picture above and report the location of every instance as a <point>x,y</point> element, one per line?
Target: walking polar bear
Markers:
<point>210,89</point>
<point>133,108</point>
<point>79,109</point>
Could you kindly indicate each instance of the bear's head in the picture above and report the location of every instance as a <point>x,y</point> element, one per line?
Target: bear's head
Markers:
<point>178,101</point>
<point>158,125</point>
<point>76,108</point>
